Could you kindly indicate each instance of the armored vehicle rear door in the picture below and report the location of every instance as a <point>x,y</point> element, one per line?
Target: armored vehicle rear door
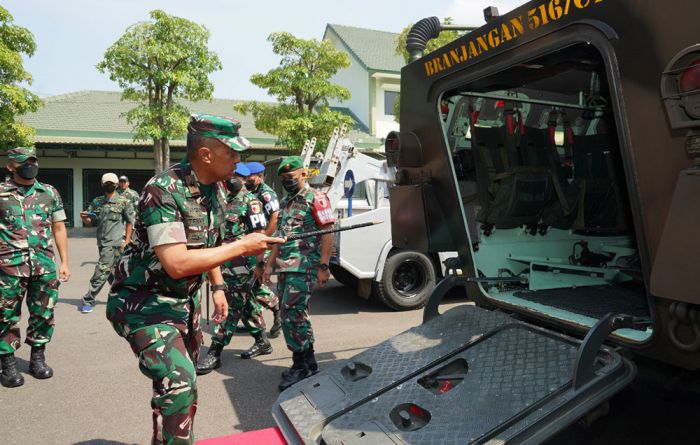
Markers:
<point>467,376</point>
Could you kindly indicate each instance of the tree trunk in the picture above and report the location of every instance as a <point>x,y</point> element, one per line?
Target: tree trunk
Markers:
<point>158,155</point>
<point>165,147</point>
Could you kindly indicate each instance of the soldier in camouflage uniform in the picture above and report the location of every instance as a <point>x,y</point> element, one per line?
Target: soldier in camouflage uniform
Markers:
<point>31,216</point>
<point>114,216</point>
<point>244,214</point>
<point>256,185</point>
<point>154,300</point>
<point>301,264</point>
<point>124,190</point>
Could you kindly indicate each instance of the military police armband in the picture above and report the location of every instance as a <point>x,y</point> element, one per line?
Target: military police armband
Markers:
<point>321,209</point>
<point>271,203</point>
<point>256,217</point>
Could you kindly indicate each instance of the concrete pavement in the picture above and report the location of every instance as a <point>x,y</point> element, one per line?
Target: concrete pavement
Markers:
<point>98,395</point>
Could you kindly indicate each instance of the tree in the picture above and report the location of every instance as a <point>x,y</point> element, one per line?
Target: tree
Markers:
<point>443,39</point>
<point>156,62</point>
<point>15,100</point>
<point>302,88</point>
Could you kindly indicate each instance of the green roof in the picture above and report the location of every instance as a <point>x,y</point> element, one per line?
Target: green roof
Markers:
<point>95,118</point>
<point>89,116</point>
<point>376,50</point>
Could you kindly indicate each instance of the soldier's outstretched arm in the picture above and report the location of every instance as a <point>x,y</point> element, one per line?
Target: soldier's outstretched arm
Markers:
<point>60,235</point>
<point>179,262</point>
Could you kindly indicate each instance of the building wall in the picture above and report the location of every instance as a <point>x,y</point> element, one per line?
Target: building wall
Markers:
<point>356,79</point>
<point>384,123</point>
<point>92,163</point>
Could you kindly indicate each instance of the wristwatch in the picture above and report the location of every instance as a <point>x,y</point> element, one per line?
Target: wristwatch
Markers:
<point>215,287</point>
<point>323,266</point>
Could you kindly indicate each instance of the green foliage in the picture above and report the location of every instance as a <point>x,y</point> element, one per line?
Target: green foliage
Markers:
<point>15,100</point>
<point>443,39</point>
<point>302,88</point>
<point>156,62</point>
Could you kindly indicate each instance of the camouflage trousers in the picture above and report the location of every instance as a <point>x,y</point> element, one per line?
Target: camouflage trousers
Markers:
<point>294,292</point>
<point>265,297</point>
<point>42,294</point>
<point>105,265</point>
<point>242,306</point>
<point>167,356</point>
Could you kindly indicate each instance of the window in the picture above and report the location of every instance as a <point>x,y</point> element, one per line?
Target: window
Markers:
<point>389,101</point>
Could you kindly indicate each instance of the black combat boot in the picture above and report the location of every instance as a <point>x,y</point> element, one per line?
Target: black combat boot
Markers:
<point>276,323</point>
<point>211,361</point>
<point>261,346</point>
<point>37,364</point>
<point>298,372</point>
<point>310,360</point>
<point>10,377</point>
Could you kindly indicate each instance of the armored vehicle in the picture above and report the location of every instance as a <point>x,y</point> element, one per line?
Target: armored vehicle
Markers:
<point>555,149</point>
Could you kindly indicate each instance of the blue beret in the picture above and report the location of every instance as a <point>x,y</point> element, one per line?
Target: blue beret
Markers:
<point>242,170</point>
<point>255,168</point>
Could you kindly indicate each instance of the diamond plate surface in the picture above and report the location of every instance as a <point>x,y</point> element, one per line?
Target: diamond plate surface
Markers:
<point>518,386</point>
<point>508,373</point>
<point>391,361</point>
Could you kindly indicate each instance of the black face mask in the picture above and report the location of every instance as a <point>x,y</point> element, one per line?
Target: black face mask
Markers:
<point>109,187</point>
<point>28,170</point>
<point>234,185</point>
<point>291,185</point>
<point>250,185</point>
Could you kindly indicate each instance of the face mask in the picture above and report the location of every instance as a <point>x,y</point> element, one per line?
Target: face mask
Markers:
<point>28,170</point>
<point>291,185</point>
<point>234,185</point>
<point>250,185</point>
<point>109,188</point>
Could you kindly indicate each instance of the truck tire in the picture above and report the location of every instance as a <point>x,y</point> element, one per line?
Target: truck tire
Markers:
<point>407,281</point>
<point>343,276</point>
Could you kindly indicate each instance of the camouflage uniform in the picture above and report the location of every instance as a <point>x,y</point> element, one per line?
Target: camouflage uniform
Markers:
<point>296,264</point>
<point>129,194</point>
<point>263,295</point>
<point>157,314</point>
<point>112,214</point>
<point>244,215</point>
<point>27,261</point>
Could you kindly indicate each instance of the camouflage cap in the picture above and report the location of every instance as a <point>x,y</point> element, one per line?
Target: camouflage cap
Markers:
<point>290,163</point>
<point>21,154</point>
<point>224,129</point>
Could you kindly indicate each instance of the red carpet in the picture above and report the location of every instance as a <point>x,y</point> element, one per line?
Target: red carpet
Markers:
<point>269,436</point>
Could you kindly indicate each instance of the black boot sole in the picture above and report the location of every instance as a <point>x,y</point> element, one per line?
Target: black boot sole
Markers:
<point>247,356</point>
<point>12,384</point>
<point>36,375</point>
<point>201,371</point>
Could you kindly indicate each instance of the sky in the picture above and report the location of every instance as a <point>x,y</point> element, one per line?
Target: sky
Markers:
<point>72,35</point>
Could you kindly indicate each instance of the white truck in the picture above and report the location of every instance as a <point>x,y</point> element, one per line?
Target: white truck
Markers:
<point>365,259</point>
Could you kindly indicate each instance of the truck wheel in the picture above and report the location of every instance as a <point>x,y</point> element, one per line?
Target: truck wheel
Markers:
<point>343,276</point>
<point>407,280</point>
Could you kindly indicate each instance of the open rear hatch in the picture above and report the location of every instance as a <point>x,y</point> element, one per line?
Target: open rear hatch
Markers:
<point>467,376</point>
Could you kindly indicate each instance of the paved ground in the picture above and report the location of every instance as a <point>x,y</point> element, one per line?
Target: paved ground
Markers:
<point>98,395</point>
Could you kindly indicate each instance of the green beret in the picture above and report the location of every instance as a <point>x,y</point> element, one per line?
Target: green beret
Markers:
<point>224,129</point>
<point>290,163</point>
<point>21,154</point>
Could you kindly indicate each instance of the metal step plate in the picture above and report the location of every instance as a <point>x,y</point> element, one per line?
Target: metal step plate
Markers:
<point>468,376</point>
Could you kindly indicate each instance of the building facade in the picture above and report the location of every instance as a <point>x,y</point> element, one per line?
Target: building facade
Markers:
<point>373,77</point>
